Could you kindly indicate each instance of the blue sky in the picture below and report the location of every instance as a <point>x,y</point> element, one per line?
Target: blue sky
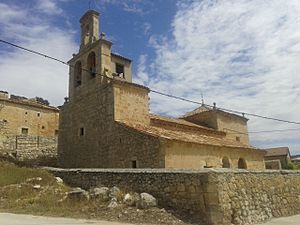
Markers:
<point>243,54</point>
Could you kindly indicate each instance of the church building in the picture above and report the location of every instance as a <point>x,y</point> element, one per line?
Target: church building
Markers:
<point>105,121</point>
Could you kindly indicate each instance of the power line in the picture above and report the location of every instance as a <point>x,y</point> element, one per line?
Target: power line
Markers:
<point>224,109</point>
<point>231,131</point>
<point>154,91</point>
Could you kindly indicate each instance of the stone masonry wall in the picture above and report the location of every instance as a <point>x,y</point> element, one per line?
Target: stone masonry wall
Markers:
<point>176,189</point>
<point>212,196</point>
<point>105,143</point>
<point>39,120</point>
<point>253,197</point>
<point>32,149</point>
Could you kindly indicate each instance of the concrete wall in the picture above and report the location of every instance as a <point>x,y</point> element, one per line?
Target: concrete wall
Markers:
<point>196,156</point>
<point>213,196</point>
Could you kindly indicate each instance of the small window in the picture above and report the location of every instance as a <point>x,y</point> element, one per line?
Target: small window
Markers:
<point>38,114</point>
<point>81,131</point>
<point>24,131</point>
<point>56,132</point>
<point>26,113</point>
<point>238,139</point>
<point>133,164</point>
<point>43,127</point>
<point>120,69</point>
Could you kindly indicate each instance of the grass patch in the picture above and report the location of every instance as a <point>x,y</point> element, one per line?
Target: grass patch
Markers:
<point>12,174</point>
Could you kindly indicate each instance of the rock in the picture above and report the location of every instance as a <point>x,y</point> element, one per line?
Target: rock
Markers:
<point>59,180</point>
<point>37,186</point>
<point>129,199</point>
<point>113,203</point>
<point>78,194</point>
<point>101,193</point>
<point>33,179</point>
<point>115,192</point>
<point>146,201</point>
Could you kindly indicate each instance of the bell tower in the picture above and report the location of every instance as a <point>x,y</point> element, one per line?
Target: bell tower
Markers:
<point>89,24</point>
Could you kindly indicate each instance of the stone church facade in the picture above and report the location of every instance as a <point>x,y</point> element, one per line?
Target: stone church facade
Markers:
<point>105,122</point>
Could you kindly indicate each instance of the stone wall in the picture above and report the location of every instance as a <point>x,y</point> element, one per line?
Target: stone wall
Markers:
<point>105,142</point>
<point>39,120</point>
<point>173,189</point>
<point>253,197</point>
<point>211,196</point>
<point>196,156</point>
<point>32,150</point>
<point>273,164</point>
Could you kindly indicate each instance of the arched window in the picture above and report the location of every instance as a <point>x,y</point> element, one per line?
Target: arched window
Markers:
<point>91,65</point>
<point>225,162</point>
<point>77,74</point>
<point>242,164</point>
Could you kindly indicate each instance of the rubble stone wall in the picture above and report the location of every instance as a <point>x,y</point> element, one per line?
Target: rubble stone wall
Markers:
<point>253,197</point>
<point>32,149</point>
<point>213,196</point>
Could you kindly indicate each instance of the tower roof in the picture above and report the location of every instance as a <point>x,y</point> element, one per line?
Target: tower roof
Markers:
<point>88,13</point>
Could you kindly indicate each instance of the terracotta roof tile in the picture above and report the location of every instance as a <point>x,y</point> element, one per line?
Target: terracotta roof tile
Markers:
<point>179,121</point>
<point>30,103</point>
<point>281,151</point>
<point>205,108</point>
<point>184,136</point>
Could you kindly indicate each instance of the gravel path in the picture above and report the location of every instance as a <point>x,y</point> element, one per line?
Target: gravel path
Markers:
<point>20,219</point>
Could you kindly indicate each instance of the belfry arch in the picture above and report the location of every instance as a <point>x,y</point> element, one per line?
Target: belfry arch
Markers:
<point>225,162</point>
<point>91,65</point>
<point>242,163</point>
<point>77,74</point>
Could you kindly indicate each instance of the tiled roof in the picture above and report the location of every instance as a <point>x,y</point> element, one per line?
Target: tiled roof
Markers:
<point>183,123</point>
<point>281,151</point>
<point>30,103</point>
<point>120,56</point>
<point>125,82</point>
<point>201,109</point>
<point>184,136</point>
<point>205,108</point>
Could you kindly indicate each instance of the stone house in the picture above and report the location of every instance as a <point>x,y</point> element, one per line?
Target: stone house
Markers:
<point>282,154</point>
<point>295,159</point>
<point>22,116</point>
<point>27,126</point>
<point>106,123</point>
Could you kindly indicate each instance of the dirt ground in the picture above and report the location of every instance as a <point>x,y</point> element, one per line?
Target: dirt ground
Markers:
<point>34,191</point>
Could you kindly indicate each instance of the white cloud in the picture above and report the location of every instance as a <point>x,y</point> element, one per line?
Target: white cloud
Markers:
<point>241,54</point>
<point>49,7</point>
<point>147,28</point>
<point>26,74</point>
<point>139,7</point>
